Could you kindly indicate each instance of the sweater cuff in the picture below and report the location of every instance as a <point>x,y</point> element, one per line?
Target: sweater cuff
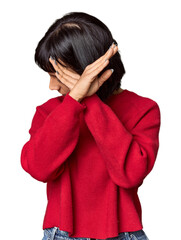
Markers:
<point>91,99</point>
<point>72,101</point>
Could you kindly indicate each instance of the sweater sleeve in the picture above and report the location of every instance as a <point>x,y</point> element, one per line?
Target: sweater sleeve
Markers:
<point>53,139</point>
<point>129,155</point>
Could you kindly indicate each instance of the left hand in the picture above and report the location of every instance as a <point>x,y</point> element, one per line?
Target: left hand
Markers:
<point>88,83</point>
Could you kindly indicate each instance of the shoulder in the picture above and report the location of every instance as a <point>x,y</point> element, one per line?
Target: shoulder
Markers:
<point>47,107</point>
<point>139,102</point>
<point>133,107</point>
<point>141,107</point>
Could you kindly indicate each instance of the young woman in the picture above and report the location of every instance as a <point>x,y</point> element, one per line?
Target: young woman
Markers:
<point>95,143</point>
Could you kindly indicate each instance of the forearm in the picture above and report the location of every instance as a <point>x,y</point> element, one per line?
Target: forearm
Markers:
<point>49,147</point>
<point>129,154</point>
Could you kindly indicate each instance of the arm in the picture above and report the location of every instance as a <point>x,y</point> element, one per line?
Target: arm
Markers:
<point>53,139</point>
<point>129,155</point>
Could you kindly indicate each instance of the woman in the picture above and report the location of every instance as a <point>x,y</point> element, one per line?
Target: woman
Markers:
<point>94,144</point>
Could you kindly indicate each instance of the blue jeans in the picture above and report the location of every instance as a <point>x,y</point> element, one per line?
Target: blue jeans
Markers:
<point>56,234</point>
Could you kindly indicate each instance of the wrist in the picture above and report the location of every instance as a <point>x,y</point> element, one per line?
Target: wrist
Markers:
<point>78,99</point>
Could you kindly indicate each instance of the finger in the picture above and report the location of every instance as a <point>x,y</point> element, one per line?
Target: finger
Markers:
<point>62,76</point>
<point>53,63</point>
<point>105,76</point>
<point>102,57</point>
<point>97,68</point>
<point>96,71</point>
<point>65,83</point>
<point>110,52</point>
<point>66,80</point>
<point>106,57</point>
<point>58,67</point>
<point>69,72</point>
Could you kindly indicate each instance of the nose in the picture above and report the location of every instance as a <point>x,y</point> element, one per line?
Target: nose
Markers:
<point>53,85</point>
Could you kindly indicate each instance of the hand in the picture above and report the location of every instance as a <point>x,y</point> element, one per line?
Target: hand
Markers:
<point>88,83</point>
<point>65,75</point>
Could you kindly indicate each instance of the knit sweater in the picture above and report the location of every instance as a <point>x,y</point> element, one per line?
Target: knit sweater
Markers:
<point>93,156</point>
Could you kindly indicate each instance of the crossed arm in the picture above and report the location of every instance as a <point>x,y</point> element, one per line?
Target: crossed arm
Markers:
<point>129,155</point>
<point>88,83</point>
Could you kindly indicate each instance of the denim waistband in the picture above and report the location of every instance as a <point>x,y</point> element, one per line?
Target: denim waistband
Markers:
<point>137,234</point>
<point>60,233</point>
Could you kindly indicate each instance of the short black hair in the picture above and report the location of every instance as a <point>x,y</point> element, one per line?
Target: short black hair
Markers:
<point>78,39</point>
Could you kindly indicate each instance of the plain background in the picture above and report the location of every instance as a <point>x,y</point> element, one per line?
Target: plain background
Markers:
<point>148,34</point>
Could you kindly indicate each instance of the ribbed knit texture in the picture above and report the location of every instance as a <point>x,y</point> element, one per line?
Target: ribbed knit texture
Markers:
<point>94,156</point>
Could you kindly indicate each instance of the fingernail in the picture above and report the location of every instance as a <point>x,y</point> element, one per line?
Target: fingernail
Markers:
<point>55,62</point>
<point>115,45</point>
<point>111,45</point>
<point>51,58</point>
<point>112,70</point>
<point>57,72</point>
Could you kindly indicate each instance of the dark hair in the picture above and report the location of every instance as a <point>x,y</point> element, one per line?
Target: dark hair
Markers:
<point>78,39</point>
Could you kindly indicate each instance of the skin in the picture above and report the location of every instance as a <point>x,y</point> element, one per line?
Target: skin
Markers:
<point>81,86</point>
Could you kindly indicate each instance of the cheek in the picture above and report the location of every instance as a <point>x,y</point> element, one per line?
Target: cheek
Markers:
<point>62,85</point>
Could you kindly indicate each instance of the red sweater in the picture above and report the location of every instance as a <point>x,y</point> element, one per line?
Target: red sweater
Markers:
<point>93,155</point>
